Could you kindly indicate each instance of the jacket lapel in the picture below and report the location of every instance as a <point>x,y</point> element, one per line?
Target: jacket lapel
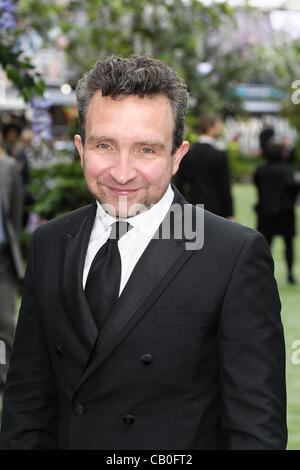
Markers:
<point>73,251</point>
<point>158,265</point>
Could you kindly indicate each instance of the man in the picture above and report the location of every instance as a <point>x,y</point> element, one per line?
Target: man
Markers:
<point>185,350</point>
<point>11,264</point>
<point>12,144</point>
<point>266,137</point>
<point>205,170</point>
<point>26,155</point>
<point>277,191</point>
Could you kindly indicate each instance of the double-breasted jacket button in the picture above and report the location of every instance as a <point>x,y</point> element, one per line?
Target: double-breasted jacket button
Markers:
<point>58,351</point>
<point>146,358</point>
<point>128,419</point>
<point>79,409</point>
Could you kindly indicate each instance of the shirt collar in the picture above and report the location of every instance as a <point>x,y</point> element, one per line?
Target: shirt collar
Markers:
<point>206,139</point>
<point>147,222</point>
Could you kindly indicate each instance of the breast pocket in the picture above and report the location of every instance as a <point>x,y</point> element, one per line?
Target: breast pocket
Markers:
<point>171,317</point>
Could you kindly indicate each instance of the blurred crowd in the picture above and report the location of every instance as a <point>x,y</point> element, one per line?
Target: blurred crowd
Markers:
<point>13,188</point>
<point>29,152</point>
<point>16,143</point>
<point>204,178</point>
<point>19,153</point>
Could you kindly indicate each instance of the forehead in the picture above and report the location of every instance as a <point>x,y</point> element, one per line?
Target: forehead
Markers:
<point>129,112</point>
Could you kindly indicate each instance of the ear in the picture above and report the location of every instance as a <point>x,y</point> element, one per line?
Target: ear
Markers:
<point>79,146</point>
<point>179,154</point>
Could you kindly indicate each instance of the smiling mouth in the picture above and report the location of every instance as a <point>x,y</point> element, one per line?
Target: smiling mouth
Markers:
<point>122,192</point>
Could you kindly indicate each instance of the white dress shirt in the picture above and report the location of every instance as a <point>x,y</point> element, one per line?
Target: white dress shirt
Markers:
<point>207,139</point>
<point>133,243</point>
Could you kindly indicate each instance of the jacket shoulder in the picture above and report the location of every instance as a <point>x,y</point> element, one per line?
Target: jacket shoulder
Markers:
<point>217,229</point>
<point>7,163</point>
<point>226,232</point>
<point>65,223</point>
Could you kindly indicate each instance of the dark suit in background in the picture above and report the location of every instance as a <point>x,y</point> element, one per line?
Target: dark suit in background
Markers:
<point>11,263</point>
<point>277,191</point>
<point>204,178</point>
<point>266,137</point>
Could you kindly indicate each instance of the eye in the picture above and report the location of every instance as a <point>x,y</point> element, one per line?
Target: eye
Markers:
<point>147,150</point>
<point>103,145</point>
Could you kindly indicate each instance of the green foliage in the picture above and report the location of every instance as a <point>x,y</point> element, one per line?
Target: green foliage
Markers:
<point>25,238</point>
<point>176,31</point>
<point>18,67</point>
<point>282,64</point>
<point>59,189</point>
<point>242,167</point>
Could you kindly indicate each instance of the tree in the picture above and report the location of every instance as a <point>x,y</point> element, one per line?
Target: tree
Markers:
<point>282,62</point>
<point>12,59</point>
<point>175,31</point>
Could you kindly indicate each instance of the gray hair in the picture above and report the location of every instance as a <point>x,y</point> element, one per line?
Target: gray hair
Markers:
<point>138,75</point>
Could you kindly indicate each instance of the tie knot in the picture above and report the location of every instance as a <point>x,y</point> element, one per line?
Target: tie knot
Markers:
<point>118,229</point>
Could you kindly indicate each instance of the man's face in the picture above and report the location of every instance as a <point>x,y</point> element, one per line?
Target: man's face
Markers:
<point>11,136</point>
<point>127,157</point>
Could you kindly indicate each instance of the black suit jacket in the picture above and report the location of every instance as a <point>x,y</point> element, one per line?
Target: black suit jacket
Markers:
<point>204,177</point>
<point>277,188</point>
<point>192,356</point>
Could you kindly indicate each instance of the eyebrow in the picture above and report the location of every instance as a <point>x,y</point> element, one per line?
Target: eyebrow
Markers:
<point>96,138</point>
<point>152,143</point>
<point>147,143</point>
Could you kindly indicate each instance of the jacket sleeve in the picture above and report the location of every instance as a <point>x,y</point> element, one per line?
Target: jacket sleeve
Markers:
<point>30,409</point>
<point>291,185</point>
<point>252,353</point>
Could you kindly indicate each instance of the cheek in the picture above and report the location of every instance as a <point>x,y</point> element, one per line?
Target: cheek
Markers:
<point>94,166</point>
<point>157,174</point>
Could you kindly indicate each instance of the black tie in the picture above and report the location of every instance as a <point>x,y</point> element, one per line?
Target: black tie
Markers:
<point>103,282</point>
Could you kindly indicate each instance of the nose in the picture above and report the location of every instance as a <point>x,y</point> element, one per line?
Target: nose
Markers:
<point>123,170</point>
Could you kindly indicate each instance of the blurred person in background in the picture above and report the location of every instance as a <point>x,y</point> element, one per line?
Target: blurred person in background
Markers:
<point>11,263</point>
<point>289,151</point>
<point>25,156</point>
<point>26,153</point>
<point>277,191</point>
<point>266,137</point>
<point>12,142</point>
<point>204,175</point>
<point>2,149</point>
